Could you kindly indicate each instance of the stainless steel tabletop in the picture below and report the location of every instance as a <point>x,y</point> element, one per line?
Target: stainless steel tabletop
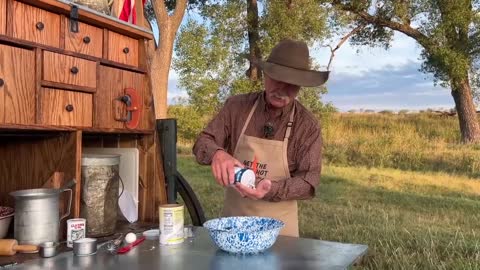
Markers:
<point>200,252</point>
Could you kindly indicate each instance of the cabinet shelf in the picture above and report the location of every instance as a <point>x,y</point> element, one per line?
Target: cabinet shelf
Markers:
<point>12,129</point>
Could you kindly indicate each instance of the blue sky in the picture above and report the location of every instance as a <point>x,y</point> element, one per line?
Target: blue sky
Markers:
<point>372,78</point>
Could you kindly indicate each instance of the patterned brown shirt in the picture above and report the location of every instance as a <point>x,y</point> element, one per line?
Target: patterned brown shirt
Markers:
<point>304,150</point>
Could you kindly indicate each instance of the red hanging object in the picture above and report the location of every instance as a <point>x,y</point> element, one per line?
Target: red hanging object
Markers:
<point>128,13</point>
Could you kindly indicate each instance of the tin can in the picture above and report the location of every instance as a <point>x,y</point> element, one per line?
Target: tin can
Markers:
<point>171,224</point>
<point>76,229</point>
<point>244,176</point>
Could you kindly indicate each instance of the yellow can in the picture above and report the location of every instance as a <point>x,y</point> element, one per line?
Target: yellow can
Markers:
<point>171,224</point>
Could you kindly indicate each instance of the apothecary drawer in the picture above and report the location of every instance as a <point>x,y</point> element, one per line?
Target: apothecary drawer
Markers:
<point>88,40</point>
<point>35,25</point>
<point>122,49</point>
<point>69,70</point>
<point>65,108</point>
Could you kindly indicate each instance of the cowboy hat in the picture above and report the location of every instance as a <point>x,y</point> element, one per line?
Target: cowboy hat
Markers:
<point>289,62</point>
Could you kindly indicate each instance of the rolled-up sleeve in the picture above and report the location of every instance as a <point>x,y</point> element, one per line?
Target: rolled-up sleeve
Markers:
<point>305,179</point>
<point>213,137</point>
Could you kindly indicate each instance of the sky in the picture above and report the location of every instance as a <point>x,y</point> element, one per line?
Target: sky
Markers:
<point>372,78</point>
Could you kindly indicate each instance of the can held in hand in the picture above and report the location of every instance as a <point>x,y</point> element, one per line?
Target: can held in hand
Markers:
<point>244,176</point>
<point>171,224</point>
<point>76,230</point>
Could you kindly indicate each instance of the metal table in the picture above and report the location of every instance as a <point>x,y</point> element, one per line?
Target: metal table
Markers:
<point>200,252</point>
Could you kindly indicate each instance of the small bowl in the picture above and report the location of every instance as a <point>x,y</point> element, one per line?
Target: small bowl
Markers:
<point>85,246</point>
<point>6,215</point>
<point>47,249</point>
<point>152,234</point>
<point>244,235</point>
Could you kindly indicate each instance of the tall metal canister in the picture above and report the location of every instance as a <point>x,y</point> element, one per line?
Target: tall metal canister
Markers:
<point>100,193</point>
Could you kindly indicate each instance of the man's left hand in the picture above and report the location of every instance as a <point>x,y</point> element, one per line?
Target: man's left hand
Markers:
<point>263,187</point>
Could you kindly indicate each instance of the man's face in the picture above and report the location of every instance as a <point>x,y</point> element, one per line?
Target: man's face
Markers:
<point>279,94</point>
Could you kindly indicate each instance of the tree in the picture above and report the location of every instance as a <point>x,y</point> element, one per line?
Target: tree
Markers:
<point>212,56</point>
<point>167,15</point>
<point>447,31</point>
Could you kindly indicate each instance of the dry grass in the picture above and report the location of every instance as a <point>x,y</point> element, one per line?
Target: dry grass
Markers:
<point>409,220</point>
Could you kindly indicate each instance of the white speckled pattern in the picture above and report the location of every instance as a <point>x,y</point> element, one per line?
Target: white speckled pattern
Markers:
<point>244,235</point>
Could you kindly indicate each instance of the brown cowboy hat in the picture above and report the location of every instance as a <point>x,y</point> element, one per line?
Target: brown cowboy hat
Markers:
<point>289,62</point>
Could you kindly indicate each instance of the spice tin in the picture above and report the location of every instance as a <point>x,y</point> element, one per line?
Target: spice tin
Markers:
<point>171,224</point>
<point>76,229</point>
<point>85,247</point>
<point>245,176</point>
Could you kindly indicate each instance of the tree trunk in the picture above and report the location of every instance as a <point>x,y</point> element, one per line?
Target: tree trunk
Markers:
<point>467,117</point>
<point>160,69</point>
<point>253,38</point>
<point>161,58</point>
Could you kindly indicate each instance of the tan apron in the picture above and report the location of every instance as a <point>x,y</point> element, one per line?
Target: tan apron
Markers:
<point>272,164</point>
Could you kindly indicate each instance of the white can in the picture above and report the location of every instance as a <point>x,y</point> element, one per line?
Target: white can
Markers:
<point>171,224</point>
<point>76,229</point>
<point>244,176</point>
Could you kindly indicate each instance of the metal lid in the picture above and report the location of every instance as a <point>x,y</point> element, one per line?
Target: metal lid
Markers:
<point>100,160</point>
<point>36,192</point>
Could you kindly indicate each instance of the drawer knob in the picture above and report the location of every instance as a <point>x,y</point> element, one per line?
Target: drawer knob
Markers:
<point>126,50</point>
<point>86,40</point>
<point>69,107</point>
<point>74,70</point>
<point>1,82</point>
<point>40,26</point>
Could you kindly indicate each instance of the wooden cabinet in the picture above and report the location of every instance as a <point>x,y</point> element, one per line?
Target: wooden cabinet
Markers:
<point>17,85</point>
<point>3,17</point>
<point>69,70</point>
<point>36,25</point>
<point>88,40</point>
<point>122,49</point>
<point>65,108</point>
<point>59,92</point>
<point>111,87</point>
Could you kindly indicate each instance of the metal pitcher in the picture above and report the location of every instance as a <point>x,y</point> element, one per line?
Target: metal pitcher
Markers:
<point>37,215</point>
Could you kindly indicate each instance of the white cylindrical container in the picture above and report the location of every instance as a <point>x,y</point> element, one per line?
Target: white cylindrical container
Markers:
<point>76,230</point>
<point>171,224</point>
<point>244,176</point>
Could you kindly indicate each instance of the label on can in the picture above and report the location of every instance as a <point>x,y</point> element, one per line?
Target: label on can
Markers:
<point>171,224</point>
<point>244,176</point>
<point>76,229</point>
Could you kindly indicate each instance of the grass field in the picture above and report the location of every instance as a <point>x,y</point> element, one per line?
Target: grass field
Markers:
<point>402,184</point>
<point>409,220</point>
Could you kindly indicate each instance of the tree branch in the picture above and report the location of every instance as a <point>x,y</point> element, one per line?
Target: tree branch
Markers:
<point>378,21</point>
<point>166,21</point>
<point>345,38</point>
<point>160,10</point>
<point>180,7</point>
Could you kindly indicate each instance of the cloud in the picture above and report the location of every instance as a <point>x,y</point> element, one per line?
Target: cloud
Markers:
<point>403,51</point>
<point>174,92</point>
<point>394,88</point>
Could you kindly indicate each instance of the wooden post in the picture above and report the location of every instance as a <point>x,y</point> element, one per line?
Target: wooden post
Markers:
<point>117,8</point>
<point>139,10</point>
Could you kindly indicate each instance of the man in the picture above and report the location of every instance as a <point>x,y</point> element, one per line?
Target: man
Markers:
<point>274,134</point>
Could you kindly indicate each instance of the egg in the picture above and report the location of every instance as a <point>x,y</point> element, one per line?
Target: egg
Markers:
<point>130,238</point>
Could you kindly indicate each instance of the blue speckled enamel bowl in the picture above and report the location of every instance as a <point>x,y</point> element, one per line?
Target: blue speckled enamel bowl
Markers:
<point>244,235</point>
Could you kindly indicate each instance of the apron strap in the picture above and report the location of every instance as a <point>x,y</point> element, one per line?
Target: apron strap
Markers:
<point>249,117</point>
<point>290,123</point>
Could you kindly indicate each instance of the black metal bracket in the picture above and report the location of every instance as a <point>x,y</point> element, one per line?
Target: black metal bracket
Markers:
<point>74,19</point>
<point>167,132</point>
<point>176,183</point>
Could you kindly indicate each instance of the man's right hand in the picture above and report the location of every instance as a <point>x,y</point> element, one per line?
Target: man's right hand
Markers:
<point>223,167</point>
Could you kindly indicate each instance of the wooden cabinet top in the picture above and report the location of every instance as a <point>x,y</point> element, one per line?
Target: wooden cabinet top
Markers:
<point>92,17</point>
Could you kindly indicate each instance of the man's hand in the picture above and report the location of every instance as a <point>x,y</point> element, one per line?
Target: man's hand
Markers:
<point>222,167</point>
<point>258,193</point>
